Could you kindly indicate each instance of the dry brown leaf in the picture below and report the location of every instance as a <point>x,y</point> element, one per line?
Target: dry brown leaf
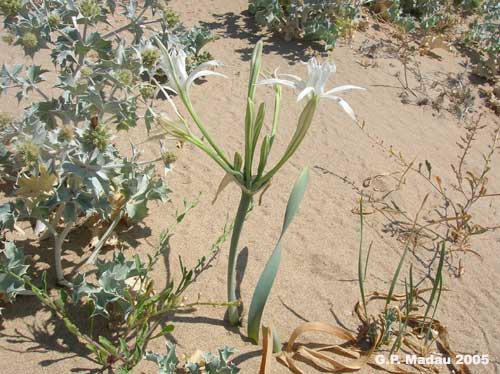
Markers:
<point>197,358</point>
<point>348,356</point>
<point>36,185</point>
<point>267,350</point>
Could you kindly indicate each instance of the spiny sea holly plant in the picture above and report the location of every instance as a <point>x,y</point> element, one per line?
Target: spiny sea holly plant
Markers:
<point>432,19</point>
<point>67,173</point>
<point>484,37</point>
<point>311,20</point>
<point>251,177</point>
<point>59,153</point>
<point>102,74</point>
<point>426,22</point>
<point>200,362</point>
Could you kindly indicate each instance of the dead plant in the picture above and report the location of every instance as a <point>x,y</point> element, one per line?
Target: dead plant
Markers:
<point>452,216</point>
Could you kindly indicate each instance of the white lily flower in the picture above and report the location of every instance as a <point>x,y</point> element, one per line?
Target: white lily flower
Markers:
<point>318,75</point>
<point>174,65</point>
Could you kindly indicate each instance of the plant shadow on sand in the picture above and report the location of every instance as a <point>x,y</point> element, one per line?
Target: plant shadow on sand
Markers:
<point>185,316</point>
<point>242,26</point>
<point>76,249</point>
<point>38,336</point>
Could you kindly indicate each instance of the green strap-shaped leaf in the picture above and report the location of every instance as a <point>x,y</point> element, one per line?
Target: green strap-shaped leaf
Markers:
<point>266,280</point>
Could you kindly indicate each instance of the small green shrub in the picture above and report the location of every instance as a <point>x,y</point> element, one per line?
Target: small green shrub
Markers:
<point>323,21</point>
<point>122,292</point>
<point>206,362</point>
<point>484,37</point>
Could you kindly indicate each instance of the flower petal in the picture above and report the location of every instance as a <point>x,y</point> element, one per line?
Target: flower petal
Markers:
<point>347,108</point>
<point>291,77</point>
<point>343,88</point>
<point>203,73</point>
<point>179,62</point>
<point>208,64</point>
<point>305,92</point>
<point>274,81</point>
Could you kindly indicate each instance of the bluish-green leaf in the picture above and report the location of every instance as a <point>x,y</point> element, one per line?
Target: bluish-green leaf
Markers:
<point>266,280</point>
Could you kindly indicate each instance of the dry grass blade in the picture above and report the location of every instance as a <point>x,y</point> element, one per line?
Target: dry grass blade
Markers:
<point>316,356</point>
<point>267,350</point>
<point>398,324</point>
<point>352,353</point>
<point>318,327</point>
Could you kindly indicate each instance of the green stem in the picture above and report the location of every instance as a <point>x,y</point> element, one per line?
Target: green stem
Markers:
<point>305,121</point>
<point>199,124</point>
<point>276,117</point>
<point>104,238</point>
<point>232,311</point>
<point>58,243</point>
<point>198,143</point>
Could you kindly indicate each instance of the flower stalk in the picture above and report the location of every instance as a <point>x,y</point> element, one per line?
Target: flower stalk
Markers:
<point>250,179</point>
<point>245,201</point>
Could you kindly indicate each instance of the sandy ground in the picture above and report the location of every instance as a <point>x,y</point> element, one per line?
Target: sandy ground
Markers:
<point>317,279</point>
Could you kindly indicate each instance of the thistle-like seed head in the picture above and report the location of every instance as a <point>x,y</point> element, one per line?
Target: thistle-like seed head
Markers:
<point>90,9</point>
<point>5,120</point>
<point>67,133</point>
<point>28,152</point>
<point>150,57</point>
<point>10,8</point>
<point>125,77</point>
<point>86,72</point>
<point>170,17</point>
<point>54,20</point>
<point>98,137</point>
<point>168,158</point>
<point>8,39</point>
<point>147,91</point>
<point>29,40</point>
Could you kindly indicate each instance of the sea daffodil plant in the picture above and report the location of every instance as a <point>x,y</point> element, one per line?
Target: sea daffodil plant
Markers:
<point>250,176</point>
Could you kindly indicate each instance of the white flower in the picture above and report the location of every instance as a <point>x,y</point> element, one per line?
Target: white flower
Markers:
<point>318,75</point>
<point>174,64</point>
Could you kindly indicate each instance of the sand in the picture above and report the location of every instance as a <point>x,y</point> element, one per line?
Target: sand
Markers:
<point>317,278</point>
